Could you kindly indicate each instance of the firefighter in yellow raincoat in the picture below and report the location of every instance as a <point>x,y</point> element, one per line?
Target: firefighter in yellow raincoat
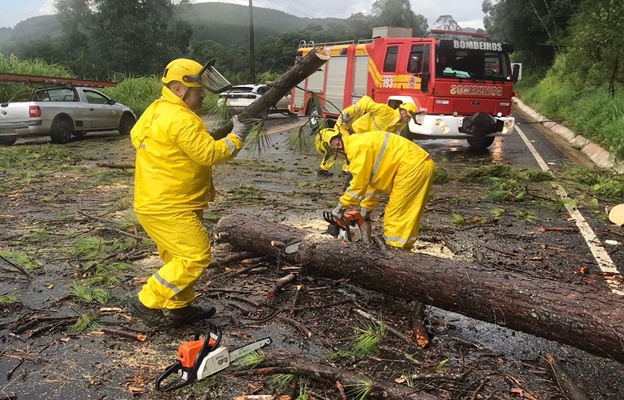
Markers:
<point>173,184</point>
<point>382,162</point>
<point>364,116</point>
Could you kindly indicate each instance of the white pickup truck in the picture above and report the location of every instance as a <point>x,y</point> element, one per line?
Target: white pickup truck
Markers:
<point>62,112</point>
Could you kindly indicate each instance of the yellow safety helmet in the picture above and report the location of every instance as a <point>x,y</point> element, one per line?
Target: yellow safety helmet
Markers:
<point>409,107</point>
<point>193,74</point>
<point>323,139</point>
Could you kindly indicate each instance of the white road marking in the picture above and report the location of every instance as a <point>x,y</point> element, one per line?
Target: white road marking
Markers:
<point>606,265</point>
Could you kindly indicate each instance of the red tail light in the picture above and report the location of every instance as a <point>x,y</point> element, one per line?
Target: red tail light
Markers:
<point>34,111</point>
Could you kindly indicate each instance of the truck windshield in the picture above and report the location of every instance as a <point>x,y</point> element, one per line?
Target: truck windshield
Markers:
<point>472,64</point>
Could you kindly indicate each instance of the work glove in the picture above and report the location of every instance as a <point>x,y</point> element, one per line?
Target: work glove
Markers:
<point>344,119</point>
<point>338,211</point>
<point>239,129</point>
<point>366,214</point>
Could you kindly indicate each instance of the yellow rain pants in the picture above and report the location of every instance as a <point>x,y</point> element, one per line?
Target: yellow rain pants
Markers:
<point>184,247</point>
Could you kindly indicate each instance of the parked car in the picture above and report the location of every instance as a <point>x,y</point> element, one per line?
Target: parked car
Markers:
<point>241,96</point>
<point>63,112</point>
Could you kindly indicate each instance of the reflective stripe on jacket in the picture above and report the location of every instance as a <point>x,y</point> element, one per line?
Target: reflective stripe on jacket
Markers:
<point>174,156</point>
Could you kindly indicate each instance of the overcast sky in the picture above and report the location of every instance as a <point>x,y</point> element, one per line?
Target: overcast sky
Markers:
<point>466,12</point>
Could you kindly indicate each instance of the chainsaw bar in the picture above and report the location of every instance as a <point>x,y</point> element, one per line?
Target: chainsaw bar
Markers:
<point>251,347</point>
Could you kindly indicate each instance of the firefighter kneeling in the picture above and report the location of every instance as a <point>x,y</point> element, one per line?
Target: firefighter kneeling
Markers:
<point>383,162</point>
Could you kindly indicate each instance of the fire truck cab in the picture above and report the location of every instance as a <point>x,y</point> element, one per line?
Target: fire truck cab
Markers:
<point>461,83</point>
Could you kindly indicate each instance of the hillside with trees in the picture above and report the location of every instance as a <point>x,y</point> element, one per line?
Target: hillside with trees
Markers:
<point>219,22</point>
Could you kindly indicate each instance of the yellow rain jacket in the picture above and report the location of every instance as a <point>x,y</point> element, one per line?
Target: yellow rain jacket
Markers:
<point>382,162</point>
<point>174,156</point>
<point>367,115</point>
<point>173,184</point>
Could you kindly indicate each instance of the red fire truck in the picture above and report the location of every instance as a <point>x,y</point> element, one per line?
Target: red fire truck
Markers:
<point>461,83</point>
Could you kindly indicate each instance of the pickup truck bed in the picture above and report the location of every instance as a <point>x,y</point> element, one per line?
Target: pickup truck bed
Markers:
<point>63,112</point>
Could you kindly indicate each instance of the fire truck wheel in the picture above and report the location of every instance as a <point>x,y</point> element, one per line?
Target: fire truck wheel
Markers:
<point>480,143</point>
<point>314,108</point>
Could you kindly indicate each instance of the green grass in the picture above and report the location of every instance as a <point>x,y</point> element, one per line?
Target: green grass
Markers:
<point>21,258</point>
<point>6,299</point>
<point>136,93</point>
<point>594,113</point>
<point>42,158</point>
<point>18,91</point>
<point>595,182</point>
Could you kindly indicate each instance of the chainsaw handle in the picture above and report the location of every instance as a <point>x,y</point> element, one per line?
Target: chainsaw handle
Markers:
<point>173,369</point>
<point>207,347</point>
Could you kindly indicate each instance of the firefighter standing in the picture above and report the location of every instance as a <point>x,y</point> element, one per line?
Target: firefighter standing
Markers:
<point>173,184</point>
<point>382,162</point>
<point>364,116</point>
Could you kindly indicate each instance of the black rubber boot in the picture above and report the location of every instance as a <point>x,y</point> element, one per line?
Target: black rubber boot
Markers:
<point>150,316</point>
<point>189,314</point>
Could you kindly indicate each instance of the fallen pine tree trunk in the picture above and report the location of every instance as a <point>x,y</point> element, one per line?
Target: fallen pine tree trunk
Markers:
<point>304,67</point>
<point>577,315</point>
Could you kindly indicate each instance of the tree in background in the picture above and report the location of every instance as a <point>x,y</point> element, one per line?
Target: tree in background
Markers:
<point>392,13</point>
<point>231,61</point>
<point>75,43</point>
<point>420,26</point>
<point>595,45</point>
<point>105,38</point>
<point>447,23</point>
<point>536,28</point>
<point>136,37</point>
<point>398,13</point>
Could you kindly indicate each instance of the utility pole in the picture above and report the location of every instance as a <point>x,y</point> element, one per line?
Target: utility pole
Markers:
<point>252,57</point>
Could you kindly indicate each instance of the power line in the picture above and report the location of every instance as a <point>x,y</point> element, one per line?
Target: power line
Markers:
<point>305,6</point>
<point>288,6</point>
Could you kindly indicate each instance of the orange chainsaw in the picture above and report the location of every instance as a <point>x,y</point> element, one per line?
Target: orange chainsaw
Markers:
<point>201,358</point>
<point>348,227</point>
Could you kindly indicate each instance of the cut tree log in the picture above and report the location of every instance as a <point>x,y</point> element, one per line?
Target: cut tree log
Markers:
<point>581,316</point>
<point>303,68</point>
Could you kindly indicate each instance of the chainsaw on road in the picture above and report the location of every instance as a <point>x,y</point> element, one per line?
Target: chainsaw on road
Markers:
<point>348,227</point>
<point>201,358</point>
